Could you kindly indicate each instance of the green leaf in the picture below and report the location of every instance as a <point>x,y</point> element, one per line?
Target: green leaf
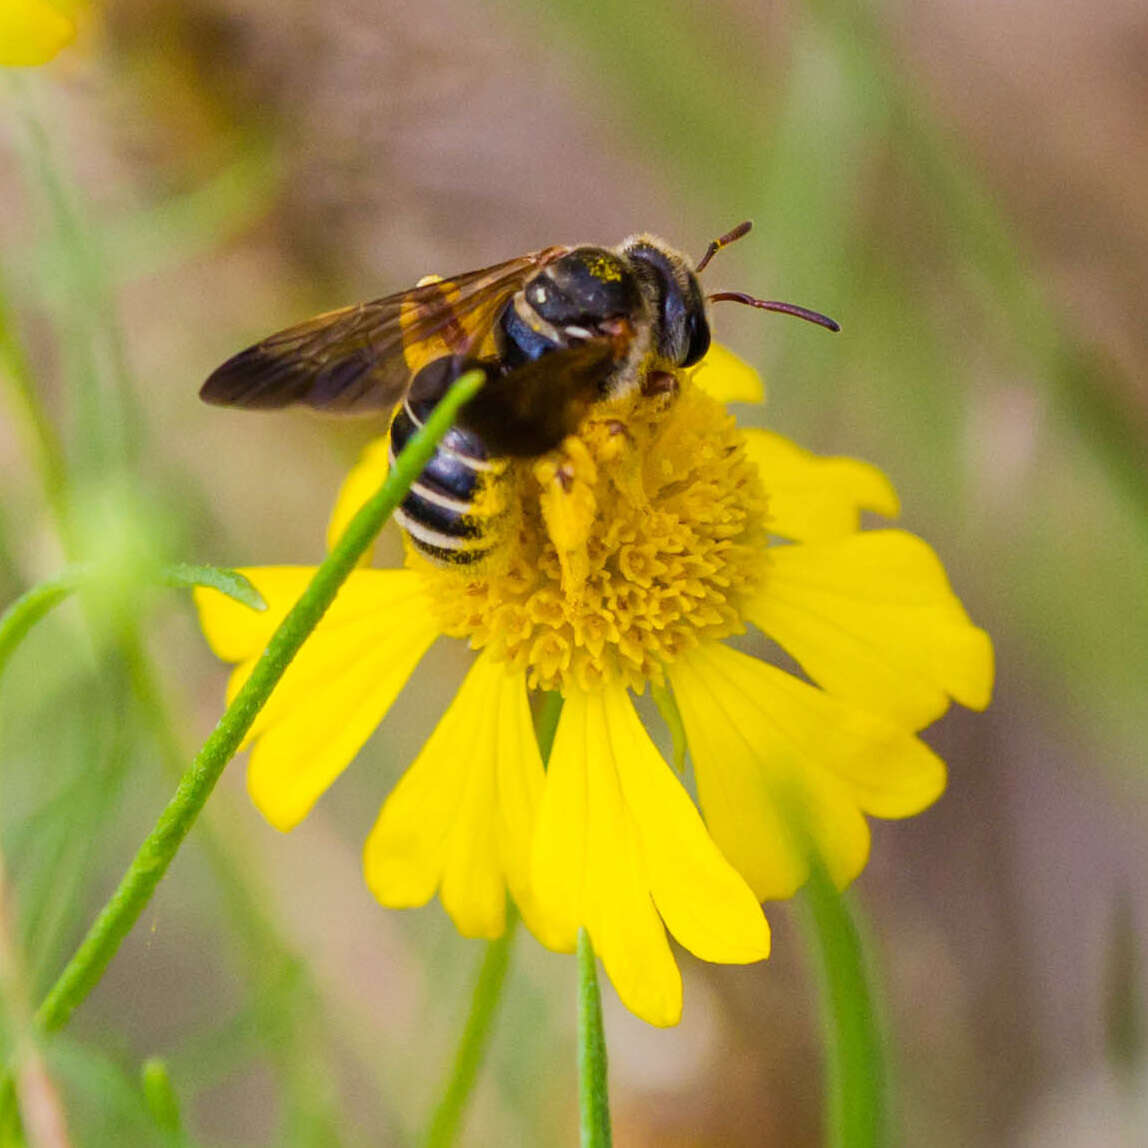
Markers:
<point>19,618</point>
<point>229,582</point>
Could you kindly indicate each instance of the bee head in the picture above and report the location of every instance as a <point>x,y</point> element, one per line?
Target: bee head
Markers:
<point>675,299</point>
<point>585,288</point>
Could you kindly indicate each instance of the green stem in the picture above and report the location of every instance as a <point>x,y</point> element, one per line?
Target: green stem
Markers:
<point>286,1006</point>
<point>29,414</point>
<point>593,1098</point>
<point>162,1101</point>
<point>138,884</point>
<point>475,1038</point>
<point>111,418</point>
<point>855,1076</point>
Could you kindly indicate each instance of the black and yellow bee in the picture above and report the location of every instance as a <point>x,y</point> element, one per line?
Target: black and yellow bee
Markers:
<point>555,332</point>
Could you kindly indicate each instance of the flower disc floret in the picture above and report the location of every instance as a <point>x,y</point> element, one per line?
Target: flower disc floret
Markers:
<point>638,538</point>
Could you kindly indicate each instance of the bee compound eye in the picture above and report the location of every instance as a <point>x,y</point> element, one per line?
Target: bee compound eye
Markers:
<point>699,344</point>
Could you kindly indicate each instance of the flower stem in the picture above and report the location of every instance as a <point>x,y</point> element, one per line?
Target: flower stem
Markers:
<point>593,1099</point>
<point>162,1102</point>
<point>475,1037</point>
<point>138,884</point>
<point>855,1078</point>
<point>29,415</point>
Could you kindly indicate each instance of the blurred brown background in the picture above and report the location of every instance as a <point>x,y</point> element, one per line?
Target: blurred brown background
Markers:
<point>963,187</point>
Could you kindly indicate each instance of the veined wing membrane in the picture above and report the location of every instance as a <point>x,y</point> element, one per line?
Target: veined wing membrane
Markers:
<point>352,360</point>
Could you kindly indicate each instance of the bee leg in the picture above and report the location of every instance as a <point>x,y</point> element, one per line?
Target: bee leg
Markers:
<point>659,383</point>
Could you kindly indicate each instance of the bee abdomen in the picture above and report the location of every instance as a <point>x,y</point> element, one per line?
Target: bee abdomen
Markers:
<point>438,512</point>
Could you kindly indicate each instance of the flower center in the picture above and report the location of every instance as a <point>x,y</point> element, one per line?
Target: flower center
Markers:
<point>641,535</point>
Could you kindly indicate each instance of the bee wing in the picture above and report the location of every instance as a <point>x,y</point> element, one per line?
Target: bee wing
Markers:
<point>361,358</point>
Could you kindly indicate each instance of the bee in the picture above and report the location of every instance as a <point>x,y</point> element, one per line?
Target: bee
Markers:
<point>555,332</point>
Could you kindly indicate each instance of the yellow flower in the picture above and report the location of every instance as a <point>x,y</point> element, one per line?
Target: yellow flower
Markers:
<point>34,31</point>
<point>625,558</point>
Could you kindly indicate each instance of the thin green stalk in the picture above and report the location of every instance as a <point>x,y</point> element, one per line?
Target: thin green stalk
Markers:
<point>1093,395</point>
<point>855,1071</point>
<point>104,392</point>
<point>138,884</point>
<point>593,1096</point>
<point>162,1102</point>
<point>289,1041</point>
<point>475,1038</point>
<point>29,414</point>
<point>286,1007</point>
<point>33,605</point>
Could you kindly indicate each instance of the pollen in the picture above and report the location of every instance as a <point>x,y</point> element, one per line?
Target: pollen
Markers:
<point>639,537</point>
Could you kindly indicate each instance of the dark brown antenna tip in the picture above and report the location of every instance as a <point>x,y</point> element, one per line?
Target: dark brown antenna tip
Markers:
<point>771,305</point>
<point>728,238</point>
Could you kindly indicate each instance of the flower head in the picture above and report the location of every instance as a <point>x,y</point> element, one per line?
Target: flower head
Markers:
<point>638,539</point>
<point>624,558</point>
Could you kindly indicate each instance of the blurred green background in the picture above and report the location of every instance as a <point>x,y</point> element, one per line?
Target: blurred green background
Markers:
<point>961,186</point>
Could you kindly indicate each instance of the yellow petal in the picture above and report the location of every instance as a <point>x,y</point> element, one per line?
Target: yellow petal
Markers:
<point>587,869</point>
<point>461,819</point>
<point>362,481</point>
<point>338,688</point>
<point>32,32</point>
<point>780,763</point>
<point>559,858</point>
<point>521,778</point>
<point>872,618</point>
<point>237,633</point>
<point>706,906</point>
<point>618,842</point>
<point>627,933</point>
<point>813,498</point>
<point>727,378</point>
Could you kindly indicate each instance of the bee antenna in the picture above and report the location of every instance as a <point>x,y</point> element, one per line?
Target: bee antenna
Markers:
<point>771,305</point>
<point>728,238</point>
